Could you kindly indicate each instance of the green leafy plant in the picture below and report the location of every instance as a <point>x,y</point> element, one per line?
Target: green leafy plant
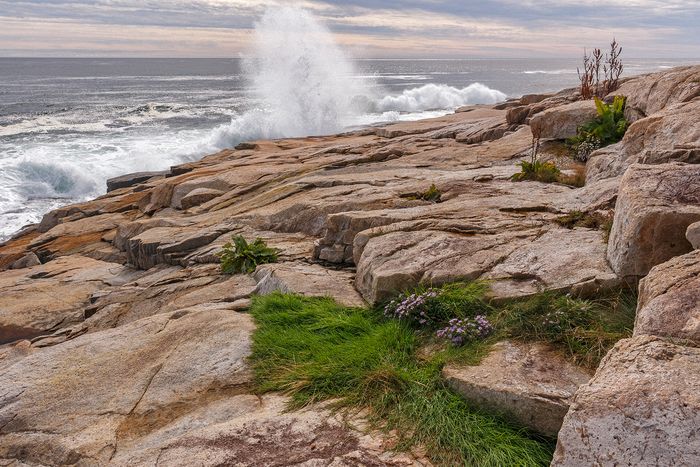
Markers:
<point>241,257</point>
<point>607,128</point>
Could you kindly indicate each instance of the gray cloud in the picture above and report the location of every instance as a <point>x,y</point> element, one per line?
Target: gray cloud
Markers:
<point>367,27</point>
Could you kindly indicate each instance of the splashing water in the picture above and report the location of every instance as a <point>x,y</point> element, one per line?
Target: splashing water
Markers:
<point>305,84</point>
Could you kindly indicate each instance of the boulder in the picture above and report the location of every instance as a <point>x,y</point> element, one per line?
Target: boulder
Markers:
<point>655,206</point>
<point>125,181</point>
<point>693,234</point>
<point>26,261</point>
<point>562,122</point>
<point>642,407</point>
<point>517,115</point>
<point>669,300</point>
<point>308,279</point>
<point>199,196</point>
<point>529,383</point>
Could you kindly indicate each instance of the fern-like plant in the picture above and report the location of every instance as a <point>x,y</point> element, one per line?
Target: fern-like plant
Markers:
<point>241,257</point>
<point>607,128</point>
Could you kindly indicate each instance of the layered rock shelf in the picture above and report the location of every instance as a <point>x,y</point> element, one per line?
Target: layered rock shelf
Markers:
<point>121,341</point>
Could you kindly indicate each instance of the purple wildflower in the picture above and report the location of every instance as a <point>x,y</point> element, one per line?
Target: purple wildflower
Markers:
<point>459,331</point>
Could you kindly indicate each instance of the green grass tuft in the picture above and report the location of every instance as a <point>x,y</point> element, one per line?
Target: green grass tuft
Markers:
<point>583,329</point>
<point>314,350</point>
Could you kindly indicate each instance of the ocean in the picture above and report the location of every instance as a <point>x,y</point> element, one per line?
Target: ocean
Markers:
<point>66,125</point>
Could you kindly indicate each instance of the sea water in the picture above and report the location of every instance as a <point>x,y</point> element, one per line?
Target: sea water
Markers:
<point>66,125</point>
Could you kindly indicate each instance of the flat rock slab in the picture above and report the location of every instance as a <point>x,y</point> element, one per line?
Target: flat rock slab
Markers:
<point>562,122</point>
<point>642,407</point>
<point>131,380</point>
<point>669,300</point>
<point>528,383</point>
<point>248,430</point>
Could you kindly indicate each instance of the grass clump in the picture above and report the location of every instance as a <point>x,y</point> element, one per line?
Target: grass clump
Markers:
<point>585,330</point>
<point>314,350</point>
<point>241,257</point>
<point>607,128</point>
<point>537,170</point>
<point>590,220</point>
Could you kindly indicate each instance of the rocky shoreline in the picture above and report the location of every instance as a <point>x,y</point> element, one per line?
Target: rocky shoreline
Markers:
<point>121,342</point>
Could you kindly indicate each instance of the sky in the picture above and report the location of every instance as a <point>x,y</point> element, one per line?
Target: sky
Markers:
<point>365,28</point>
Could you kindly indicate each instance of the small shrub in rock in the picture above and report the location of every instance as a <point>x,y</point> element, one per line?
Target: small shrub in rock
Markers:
<point>584,329</point>
<point>241,257</point>
<point>459,331</point>
<point>432,194</point>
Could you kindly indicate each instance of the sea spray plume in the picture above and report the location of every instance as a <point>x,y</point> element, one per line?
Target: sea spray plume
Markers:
<point>302,80</point>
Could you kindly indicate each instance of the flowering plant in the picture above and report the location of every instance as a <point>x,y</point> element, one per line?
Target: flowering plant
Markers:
<point>411,307</point>
<point>460,331</point>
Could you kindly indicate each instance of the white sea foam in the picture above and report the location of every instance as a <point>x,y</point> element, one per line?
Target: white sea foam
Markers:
<point>439,96</point>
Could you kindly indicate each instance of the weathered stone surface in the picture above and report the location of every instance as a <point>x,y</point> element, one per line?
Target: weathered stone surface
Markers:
<point>308,279</point>
<point>693,234</point>
<point>26,261</point>
<point>669,299</point>
<point>561,122</point>
<point>41,299</point>
<point>579,266</point>
<point>131,380</point>
<point>517,115</point>
<point>640,408</point>
<point>655,206</point>
<point>529,383</point>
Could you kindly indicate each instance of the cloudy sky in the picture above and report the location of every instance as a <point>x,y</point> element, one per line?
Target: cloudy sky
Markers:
<point>366,28</point>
